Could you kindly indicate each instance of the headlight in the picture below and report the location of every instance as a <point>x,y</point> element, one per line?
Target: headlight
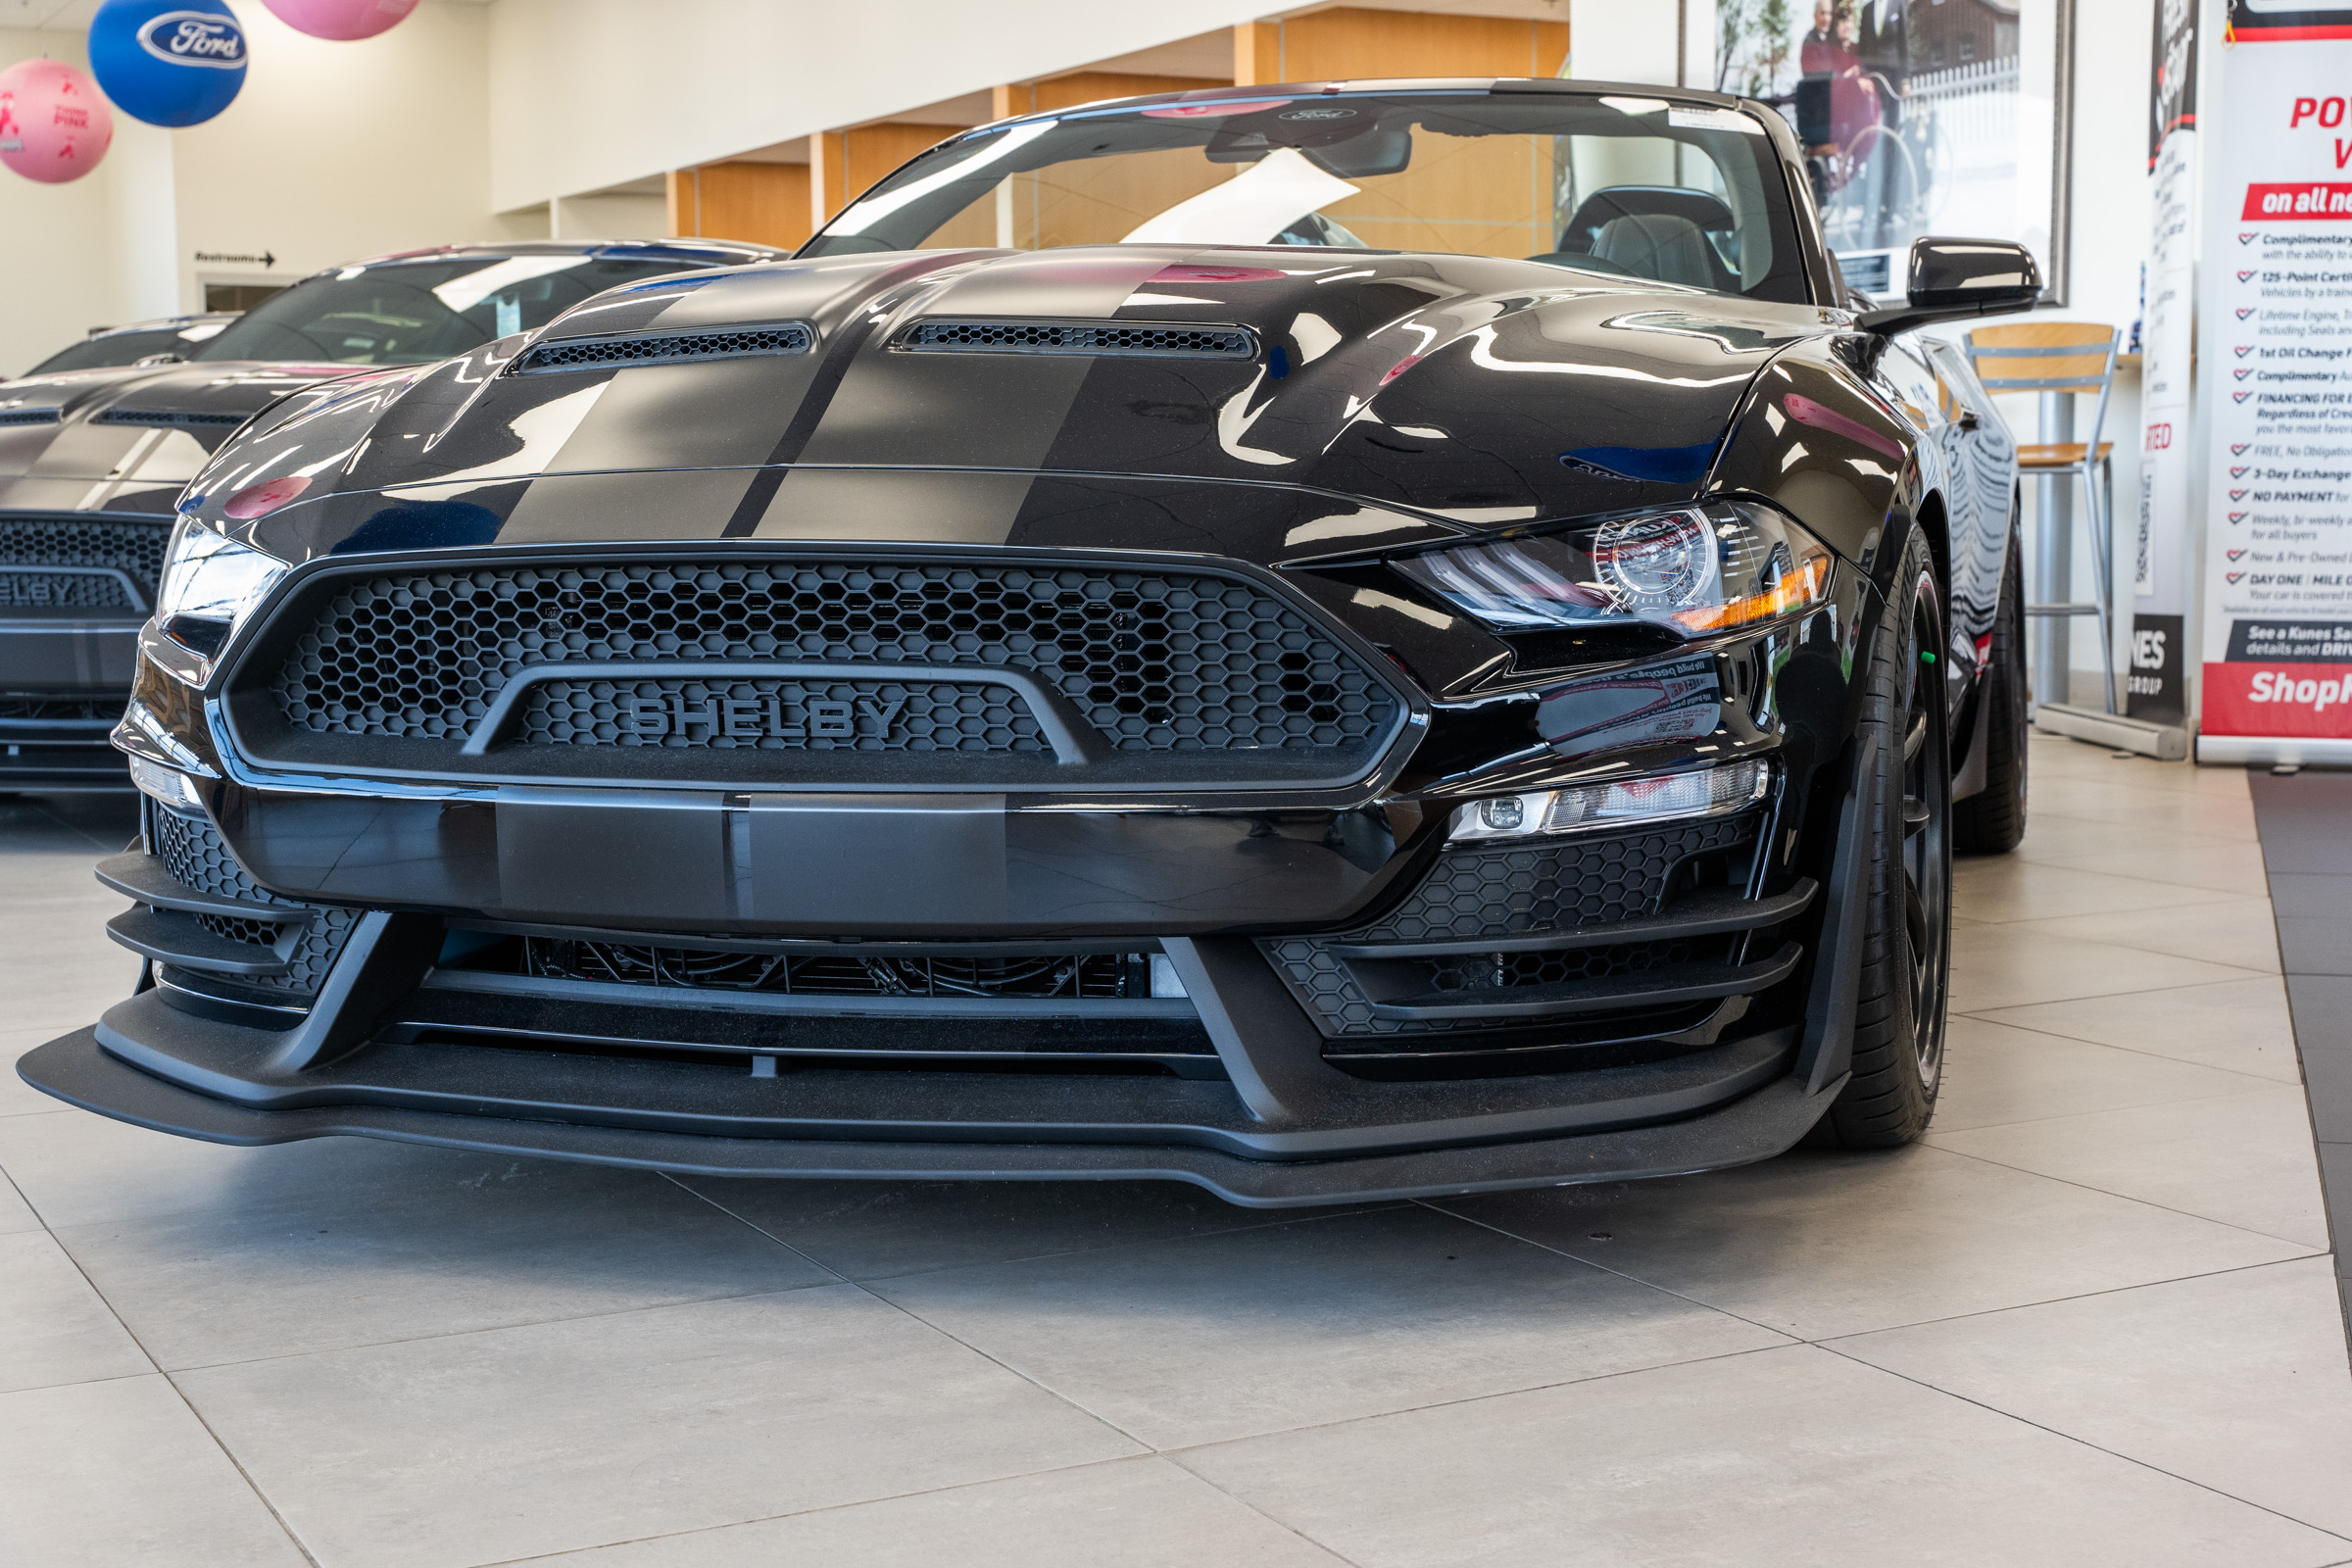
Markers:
<point>1694,570</point>
<point>211,583</point>
<point>1651,798</point>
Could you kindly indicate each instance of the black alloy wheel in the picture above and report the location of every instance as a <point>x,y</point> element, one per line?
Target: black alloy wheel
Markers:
<point>1992,821</point>
<point>1907,933</point>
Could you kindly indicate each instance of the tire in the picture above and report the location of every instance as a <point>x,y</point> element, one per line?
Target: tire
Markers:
<point>1992,821</point>
<point>1907,932</point>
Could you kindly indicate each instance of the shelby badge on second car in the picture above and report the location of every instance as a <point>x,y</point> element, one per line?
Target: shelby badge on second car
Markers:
<point>1322,640</point>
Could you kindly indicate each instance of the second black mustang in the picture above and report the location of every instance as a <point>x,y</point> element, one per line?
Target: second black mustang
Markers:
<point>1315,640</point>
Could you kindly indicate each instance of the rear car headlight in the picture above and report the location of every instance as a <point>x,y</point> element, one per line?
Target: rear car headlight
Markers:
<point>210,584</point>
<point>1650,798</point>
<point>1694,570</point>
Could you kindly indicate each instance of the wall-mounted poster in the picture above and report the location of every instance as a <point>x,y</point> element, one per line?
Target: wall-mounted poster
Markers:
<point>1918,116</point>
<point>2278,312</point>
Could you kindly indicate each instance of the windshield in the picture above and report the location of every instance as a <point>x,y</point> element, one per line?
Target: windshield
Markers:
<point>1681,194</point>
<point>415,313</point>
<point>109,350</point>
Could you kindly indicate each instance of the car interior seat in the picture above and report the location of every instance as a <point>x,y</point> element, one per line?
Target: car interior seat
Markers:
<point>1659,246</point>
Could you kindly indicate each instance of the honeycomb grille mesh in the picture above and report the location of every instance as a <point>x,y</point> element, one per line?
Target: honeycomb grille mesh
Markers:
<point>29,417</point>
<point>1157,661</point>
<point>1522,891</point>
<point>780,715</point>
<point>173,418</point>
<point>1079,337</point>
<point>594,354</point>
<point>192,852</point>
<point>69,590</point>
<point>132,547</point>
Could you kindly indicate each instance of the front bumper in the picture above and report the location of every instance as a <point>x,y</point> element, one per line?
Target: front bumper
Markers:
<point>64,681</point>
<point>1746,1128</point>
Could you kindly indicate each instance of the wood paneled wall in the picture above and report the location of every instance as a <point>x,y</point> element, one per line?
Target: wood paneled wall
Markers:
<point>1347,43</point>
<point>1088,86</point>
<point>766,204</point>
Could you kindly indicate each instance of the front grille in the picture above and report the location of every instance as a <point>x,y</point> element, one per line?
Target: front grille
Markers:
<point>1080,338</point>
<point>64,590</point>
<point>173,418</point>
<point>29,416</point>
<point>763,715</point>
<point>665,348</point>
<point>1501,971</point>
<point>1080,976</point>
<point>132,546</point>
<point>194,853</point>
<point>1155,662</point>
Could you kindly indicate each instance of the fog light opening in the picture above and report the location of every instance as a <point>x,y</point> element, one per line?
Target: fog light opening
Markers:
<point>173,789</point>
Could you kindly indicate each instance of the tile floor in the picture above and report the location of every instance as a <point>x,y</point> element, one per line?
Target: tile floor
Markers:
<point>2091,1320</point>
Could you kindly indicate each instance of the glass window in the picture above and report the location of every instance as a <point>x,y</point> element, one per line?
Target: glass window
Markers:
<point>414,312</point>
<point>1673,193</point>
<point>112,349</point>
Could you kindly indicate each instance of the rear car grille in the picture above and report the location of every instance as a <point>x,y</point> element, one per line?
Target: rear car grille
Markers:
<point>1158,663</point>
<point>665,348</point>
<point>1080,337</point>
<point>1037,977</point>
<point>96,547</point>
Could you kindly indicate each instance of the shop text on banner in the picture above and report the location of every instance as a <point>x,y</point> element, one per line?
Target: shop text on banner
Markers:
<point>2277,604</point>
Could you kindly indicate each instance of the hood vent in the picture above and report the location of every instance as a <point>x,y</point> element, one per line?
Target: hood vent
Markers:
<point>1154,339</point>
<point>665,348</point>
<point>29,417</point>
<point>171,418</point>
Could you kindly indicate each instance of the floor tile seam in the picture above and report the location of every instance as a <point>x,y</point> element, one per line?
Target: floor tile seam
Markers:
<point>194,1367</point>
<point>2138,1051</point>
<point>1634,1279</point>
<point>1275,1216</point>
<point>1828,1341</point>
<point>870,1502</point>
<point>2076,863</point>
<point>2082,1441</point>
<point>1178,1451</point>
<point>2242,975</point>
<point>954,1338</point>
<point>754,1227</point>
<point>66,826</point>
<point>2144,1202</point>
<point>2262,1086</point>
<point>261,1494</point>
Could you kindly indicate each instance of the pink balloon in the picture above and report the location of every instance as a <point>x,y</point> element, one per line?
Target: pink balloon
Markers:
<point>340,19</point>
<point>54,123</point>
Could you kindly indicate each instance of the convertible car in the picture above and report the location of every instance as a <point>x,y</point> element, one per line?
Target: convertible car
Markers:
<point>94,448</point>
<point>1323,640</point>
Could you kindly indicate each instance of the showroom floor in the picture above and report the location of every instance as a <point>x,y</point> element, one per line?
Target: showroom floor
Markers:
<point>2092,1321</point>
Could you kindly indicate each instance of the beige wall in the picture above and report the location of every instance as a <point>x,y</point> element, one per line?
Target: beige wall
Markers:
<point>57,278</point>
<point>331,151</point>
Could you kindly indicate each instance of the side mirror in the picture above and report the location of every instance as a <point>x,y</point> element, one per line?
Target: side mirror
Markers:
<point>1952,278</point>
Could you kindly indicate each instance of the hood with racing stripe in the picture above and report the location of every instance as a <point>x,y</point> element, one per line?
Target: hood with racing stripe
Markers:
<point>993,388</point>
<point>128,439</point>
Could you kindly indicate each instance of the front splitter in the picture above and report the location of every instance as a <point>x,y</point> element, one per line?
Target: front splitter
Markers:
<point>75,1069</point>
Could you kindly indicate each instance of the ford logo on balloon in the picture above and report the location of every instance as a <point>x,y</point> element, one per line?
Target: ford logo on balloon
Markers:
<point>167,62</point>
<point>192,39</point>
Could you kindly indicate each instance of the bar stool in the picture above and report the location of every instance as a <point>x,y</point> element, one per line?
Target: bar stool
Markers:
<point>2061,359</point>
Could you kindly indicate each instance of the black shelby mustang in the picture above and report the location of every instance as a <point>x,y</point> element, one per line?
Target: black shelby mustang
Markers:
<point>1317,641</point>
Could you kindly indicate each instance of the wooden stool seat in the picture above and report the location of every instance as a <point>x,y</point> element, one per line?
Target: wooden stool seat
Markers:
<point>2057,454</point>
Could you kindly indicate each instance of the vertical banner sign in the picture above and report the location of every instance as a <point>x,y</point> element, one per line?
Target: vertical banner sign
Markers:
<point>2162,571</point>
<point>2278,631</point>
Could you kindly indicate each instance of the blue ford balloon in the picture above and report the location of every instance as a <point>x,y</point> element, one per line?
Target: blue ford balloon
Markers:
<point>167,62</point>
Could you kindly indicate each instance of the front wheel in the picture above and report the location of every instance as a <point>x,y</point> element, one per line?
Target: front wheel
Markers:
<point>1907,933</point>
